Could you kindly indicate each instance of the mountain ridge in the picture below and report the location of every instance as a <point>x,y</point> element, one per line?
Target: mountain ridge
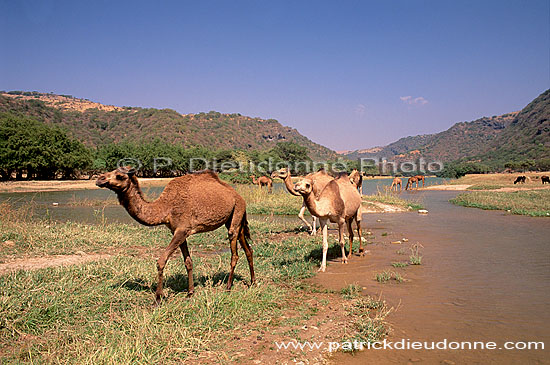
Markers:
<point>96,124</point>
<point>517,135</point>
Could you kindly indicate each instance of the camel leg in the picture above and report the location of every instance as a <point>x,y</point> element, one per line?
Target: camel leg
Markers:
<point>270,186</point>
<point>359,233</point>
<point>248,252</point>
<point>350,233</point>
<point>324,227</point>
<point>341,240</point>
<point>301,216</point>
<point>178,238</point>
<point>189,267</point>
<point>234,259</point>
<point>314,225</point>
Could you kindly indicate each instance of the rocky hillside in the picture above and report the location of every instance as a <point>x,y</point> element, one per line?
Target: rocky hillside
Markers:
<point>96,124</point>
<point>496,139</point>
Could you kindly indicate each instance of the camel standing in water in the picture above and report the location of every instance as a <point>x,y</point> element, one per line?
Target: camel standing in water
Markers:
<point>321,179</point>
<point>410,183</point>
<point>327,206</point>
<point>189,204</point>
<point>339,202</point>
<point>396,181</point>
<point>263,181</point>
<point>418,178</point>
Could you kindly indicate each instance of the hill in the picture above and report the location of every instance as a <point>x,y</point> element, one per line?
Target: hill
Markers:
<point>494,140</point>
<point>96,124</point>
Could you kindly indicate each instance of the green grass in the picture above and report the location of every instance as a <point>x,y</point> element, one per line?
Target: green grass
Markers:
<point>399,264</point>
<point>259,201</point>
<point>486,187</point>
<point>351,291</point>
<point>368,322</point>
<point>391,199</point>
<point>535,203</point>
<point>101,312</point>
<point>386,275</point>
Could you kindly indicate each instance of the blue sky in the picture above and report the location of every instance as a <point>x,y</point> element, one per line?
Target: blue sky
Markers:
<point>347,74</point>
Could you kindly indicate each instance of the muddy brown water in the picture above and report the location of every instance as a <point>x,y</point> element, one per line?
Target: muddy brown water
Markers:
<point>484,277</point>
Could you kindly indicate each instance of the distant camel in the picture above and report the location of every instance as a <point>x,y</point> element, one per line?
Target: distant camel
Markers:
<point>321,179</point>
<point>189,204</point>
<point>418,178</point>
<point>396,181</point>
<point>263,181</point>
<point>545,179</point>
<point>356,179</point>
<point>410,183</point>
<point>520,179</point>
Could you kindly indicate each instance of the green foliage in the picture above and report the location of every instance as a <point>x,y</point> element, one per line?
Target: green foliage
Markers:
<point>458,169</point>
<point>41,151</point>
<point>293,154</point>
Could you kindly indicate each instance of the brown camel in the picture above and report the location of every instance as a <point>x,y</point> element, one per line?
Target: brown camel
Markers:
<point>418,178</point>
<point>321,179</point>
<point>396,181</point>
<point>352,204</point>
<point>411,181</point>
<point>327,206</point>
<point>189,204</point>
<point>263,181</point>
<point>356,179</point>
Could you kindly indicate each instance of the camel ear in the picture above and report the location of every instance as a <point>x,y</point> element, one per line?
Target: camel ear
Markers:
<point>131,171</point>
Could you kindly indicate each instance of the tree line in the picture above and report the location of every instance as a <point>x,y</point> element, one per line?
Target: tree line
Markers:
<point>31,149</point>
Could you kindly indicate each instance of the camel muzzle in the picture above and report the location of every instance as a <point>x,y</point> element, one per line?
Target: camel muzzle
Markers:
<point>101,182</point>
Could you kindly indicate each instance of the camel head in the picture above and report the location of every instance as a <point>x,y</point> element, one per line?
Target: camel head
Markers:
<point>116,180</point>
<point>304,186</point>
<point>281,174</point>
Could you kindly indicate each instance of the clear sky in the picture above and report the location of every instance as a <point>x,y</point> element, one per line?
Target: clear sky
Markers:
<point>347,74</point>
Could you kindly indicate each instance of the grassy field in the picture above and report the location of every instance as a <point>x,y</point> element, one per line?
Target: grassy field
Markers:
<point>497,181</point>
<point>101,312</point>
<point>534,203</point>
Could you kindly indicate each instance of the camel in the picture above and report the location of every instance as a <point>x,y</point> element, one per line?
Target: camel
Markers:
<point>321,179</point>
<point>352,204</point>
<point>356,179</point>
<point>418,178</point>
<point>545,179</point>
<point>327,206</point>
<point>189,204</point>
<point>338,202</point>
<point>411,181</point>
<point>396,181</point>
<point>263,181</point>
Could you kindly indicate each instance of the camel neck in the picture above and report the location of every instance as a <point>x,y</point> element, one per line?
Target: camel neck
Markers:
<point>146,213</point>
<point>288,184</point>
<point>311,204</point>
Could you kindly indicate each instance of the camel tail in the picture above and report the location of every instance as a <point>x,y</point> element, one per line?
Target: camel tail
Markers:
<point>245,229</point>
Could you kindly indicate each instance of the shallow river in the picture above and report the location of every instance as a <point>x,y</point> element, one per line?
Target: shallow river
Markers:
<point>485,276</point>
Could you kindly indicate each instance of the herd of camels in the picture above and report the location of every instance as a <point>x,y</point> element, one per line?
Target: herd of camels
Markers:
<point>201,202</point>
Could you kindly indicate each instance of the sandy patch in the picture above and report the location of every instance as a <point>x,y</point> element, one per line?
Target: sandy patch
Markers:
<point>35,263</point>
<point>448,187</point>
<point>376,207</point>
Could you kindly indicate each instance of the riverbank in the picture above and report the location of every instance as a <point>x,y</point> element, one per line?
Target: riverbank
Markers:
<point>534,203</point>
<point>91,289</point>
